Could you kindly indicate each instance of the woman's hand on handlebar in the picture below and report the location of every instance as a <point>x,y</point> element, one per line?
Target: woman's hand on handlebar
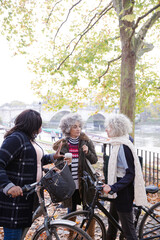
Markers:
<point>15,191</point>
<point>106,188</point>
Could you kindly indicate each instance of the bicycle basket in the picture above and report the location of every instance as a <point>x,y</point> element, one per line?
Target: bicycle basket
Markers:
<point>59,184</point>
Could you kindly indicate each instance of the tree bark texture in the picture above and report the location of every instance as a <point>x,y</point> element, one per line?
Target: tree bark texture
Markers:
<point>128,60</point>
<point>128,90</point>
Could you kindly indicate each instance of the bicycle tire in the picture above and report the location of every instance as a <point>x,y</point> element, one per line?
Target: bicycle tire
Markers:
<point>61,230</point>
<point>79,216</point>
<point>150,227</point>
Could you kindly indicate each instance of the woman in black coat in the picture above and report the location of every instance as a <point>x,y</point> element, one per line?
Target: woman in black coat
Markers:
<point>21,161</point>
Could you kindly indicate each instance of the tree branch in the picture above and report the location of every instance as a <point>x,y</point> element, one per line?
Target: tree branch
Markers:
<point>65,21</point>
<point>97,6</point>
<point>109,63</point>
<point>93,10</point>
<point>143,16</point>
<point>52,11</point>
<point>143,31</point>
<point>148,24</point>
<point>89,26</point>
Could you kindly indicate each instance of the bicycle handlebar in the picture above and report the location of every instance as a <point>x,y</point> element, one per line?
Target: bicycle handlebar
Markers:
<point>29,187</point>
<point>98,185</point>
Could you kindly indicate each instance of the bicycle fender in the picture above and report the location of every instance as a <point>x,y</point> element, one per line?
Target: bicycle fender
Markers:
<point>54,222</point>
<point>57,221</point>
<point>63,221</point>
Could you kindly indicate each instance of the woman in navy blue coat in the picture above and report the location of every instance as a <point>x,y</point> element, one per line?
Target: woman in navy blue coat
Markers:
<point>21,161</point>
<point>125,178</point>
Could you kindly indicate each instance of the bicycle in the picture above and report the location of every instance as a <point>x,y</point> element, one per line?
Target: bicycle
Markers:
<point>149,226</point>
<point>57,229</point>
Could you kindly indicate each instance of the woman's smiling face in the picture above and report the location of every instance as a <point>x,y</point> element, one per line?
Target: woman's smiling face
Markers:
<point>75,130</point>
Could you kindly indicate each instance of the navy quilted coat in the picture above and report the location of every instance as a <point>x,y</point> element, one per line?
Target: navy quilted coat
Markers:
<point>18,165</point>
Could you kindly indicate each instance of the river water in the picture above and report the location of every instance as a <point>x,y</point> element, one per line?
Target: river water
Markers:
<point>147,137</point>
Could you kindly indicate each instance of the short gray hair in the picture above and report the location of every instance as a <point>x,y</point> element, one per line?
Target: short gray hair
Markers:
<point>68,121</point>
<point>119,124</point>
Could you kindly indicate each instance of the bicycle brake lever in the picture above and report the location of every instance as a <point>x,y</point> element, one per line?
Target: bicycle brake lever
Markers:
<point>33,190</point>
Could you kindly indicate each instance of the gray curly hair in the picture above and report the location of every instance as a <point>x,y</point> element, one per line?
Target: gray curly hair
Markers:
<point>68,121</point>
<point>119,125</point>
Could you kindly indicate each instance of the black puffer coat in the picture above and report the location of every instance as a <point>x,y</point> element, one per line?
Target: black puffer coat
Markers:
<point>91,156</point>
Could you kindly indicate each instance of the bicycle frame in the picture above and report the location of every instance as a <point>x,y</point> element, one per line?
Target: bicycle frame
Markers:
<point>91,208</point>
<point>109,216</point>
<point>137,215</point>
<point>40,210</point>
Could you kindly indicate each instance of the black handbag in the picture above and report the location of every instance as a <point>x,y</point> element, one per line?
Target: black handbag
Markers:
<point>59,183</point>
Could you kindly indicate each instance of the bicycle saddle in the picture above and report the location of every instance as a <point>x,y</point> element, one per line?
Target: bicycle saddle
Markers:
<point>152,189</point>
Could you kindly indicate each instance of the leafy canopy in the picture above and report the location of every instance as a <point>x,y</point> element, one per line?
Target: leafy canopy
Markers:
<point>74,50</point>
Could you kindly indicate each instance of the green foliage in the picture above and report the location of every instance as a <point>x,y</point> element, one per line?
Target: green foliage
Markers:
<point>147,85</point>
<point>48,31</point>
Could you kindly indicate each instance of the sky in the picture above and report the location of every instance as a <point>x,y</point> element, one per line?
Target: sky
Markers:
<point>15,78</point>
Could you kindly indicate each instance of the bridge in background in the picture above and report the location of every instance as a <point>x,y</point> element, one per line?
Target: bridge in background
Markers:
<point>51,118</point>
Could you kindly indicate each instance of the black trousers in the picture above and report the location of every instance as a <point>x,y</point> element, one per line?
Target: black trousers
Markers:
<point>126,219</point>
<point>76,200</point>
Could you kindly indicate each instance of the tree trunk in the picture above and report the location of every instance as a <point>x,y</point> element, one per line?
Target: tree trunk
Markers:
<point>128,94</point>
<point>128,61</point>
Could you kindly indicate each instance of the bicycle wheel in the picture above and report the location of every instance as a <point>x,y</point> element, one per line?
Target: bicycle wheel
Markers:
<point>150,225</point>
<point>61,230</point>
<point>81,219</point>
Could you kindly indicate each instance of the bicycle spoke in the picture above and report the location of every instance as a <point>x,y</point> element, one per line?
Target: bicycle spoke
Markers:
<point>81,218</point>
<point>150,227</point>
<point>61,232</point>
<point>151,231</point>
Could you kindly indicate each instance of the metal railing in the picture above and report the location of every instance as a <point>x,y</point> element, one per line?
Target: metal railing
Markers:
<point>150,162</point>
<point>151,166</point>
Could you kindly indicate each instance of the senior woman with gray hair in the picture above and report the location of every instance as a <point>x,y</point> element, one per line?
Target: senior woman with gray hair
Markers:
<point>125,179</point>
<point>82,148</point>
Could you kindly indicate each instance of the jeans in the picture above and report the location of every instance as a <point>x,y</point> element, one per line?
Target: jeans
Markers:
<point>12,234</point>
